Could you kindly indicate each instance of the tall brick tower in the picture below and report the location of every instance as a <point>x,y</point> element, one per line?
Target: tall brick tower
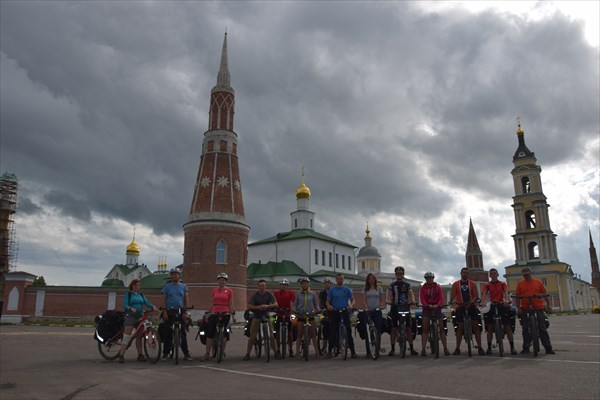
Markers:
<point>216,234</point>
<point>594,262</point>
<point>474,257</point>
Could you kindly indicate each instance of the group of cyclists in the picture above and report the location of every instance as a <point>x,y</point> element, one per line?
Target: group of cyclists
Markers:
<point>336,303</point>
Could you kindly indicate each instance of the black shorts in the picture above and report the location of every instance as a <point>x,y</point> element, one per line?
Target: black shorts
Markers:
<point>394,313</point>
<point>459,316</point>
<point>504,312</point>
<point>211,327</point>
<point>281,319</point>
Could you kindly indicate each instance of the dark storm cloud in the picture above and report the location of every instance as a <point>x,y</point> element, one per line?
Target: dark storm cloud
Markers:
<point>68,205</point>
<point>388,109</point>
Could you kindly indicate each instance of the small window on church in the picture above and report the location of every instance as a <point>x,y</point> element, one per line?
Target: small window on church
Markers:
<point>533,251</point>
<point>311,224</point>
<point>322,257</point>
<point>363,265</point>
<point>221,252</point>
<point>337,259</point>
<point>330,259</point>
<point>349,263</point>
<point>316,257</point>
<point>530,219</point>
<point>343,261</point>
<point>525,185</point>
<point>295,222</point>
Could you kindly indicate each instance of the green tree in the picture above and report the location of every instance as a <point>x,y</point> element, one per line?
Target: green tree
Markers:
<point>39,281</point>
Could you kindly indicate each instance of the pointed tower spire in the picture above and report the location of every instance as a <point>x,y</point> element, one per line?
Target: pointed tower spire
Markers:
<point>594,263</point>
<point>223,77</point>
<point>473,254</point>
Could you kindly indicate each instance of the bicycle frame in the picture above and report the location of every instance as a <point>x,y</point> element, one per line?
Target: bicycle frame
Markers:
<point>144,329</point>
<point>530,321</point>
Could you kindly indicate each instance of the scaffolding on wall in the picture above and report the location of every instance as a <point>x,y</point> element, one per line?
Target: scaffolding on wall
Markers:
<point>8,242</point>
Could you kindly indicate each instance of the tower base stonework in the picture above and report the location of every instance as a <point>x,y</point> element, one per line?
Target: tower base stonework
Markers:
<point>200,269</point>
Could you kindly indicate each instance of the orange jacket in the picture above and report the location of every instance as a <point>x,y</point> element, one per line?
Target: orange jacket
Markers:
<point>456,295</point>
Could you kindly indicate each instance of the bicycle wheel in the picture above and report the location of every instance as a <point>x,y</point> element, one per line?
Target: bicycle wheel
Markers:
<point>534,332</point>
<point>219,344</point>
<point>109,350</point>
<point>176,342</point>
<point>498,330</point>
<point>373,342</point>
<point>266,340</point>
<point>468,335</point>
<point>402,339</point>
<point>306,340</point>
<point>344,342</point>
<point>258,344</point>
<point>283,336</point>
<point>321,341</point>
<point>435,339</point>
<point>152,345</point>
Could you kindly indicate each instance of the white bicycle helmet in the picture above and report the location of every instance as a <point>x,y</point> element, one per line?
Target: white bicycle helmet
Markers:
<point>429,274</point>
<point>304,279</point>
<point>328,279</point>
<point>284,281</point>
<point>176,270</point>
<point>223,275</point>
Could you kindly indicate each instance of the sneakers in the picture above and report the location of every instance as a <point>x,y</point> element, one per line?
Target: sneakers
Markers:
<point>382,350</point>
<point>481,351</point>
<point>525,350</point>
<point>413,352</point>
<point>513,351</point>
<point>446,352</point>
<point>291,353</point>
<point>246,357</point>
<point>457,352</point>
<point>391,353</point>
<point>489,351</point>
<point>328,355</point>
<point>550,351</point>
<point>278,356</point>
<point>188,357</point>
<point>165,357</point>
<point>141,358</point>
<point>423,353</point>
<point>121,359</point>
<point>354,355</point>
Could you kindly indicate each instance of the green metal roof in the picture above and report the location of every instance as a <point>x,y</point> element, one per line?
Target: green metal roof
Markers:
<point>113,283</point>
<point>272,268</point>
<point>155,281</point>
<point>300,234</point>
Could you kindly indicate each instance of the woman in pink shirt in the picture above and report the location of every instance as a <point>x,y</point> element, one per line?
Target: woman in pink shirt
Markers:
<point>221,301</point>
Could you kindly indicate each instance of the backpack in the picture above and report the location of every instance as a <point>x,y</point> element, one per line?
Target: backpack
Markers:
<point>108,325</point>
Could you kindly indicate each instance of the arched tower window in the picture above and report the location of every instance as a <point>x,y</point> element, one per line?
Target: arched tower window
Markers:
<point>530,219</point>
<point>525,185</point>
<point>221,252</point>
<point>533,249</point>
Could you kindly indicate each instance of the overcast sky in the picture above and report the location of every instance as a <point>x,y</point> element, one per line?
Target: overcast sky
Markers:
<point>403,115</point>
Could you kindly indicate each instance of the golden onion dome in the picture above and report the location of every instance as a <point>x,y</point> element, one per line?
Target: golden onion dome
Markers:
<point>133,248</point>
<point>302,192</point>
<point>519,130</point>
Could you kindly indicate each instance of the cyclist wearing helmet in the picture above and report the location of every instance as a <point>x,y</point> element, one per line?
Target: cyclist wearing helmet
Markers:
<point>323,306</point>
<point>432,298</point>
<point>464,291</point>
<point>221,301</point>
<point>340,297</point>
<point>400,296</point>
<point>285,298</point>
<point>497,292</point>
<point>175,294</point>
<point>260,303</point>
<point>306,303</point>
